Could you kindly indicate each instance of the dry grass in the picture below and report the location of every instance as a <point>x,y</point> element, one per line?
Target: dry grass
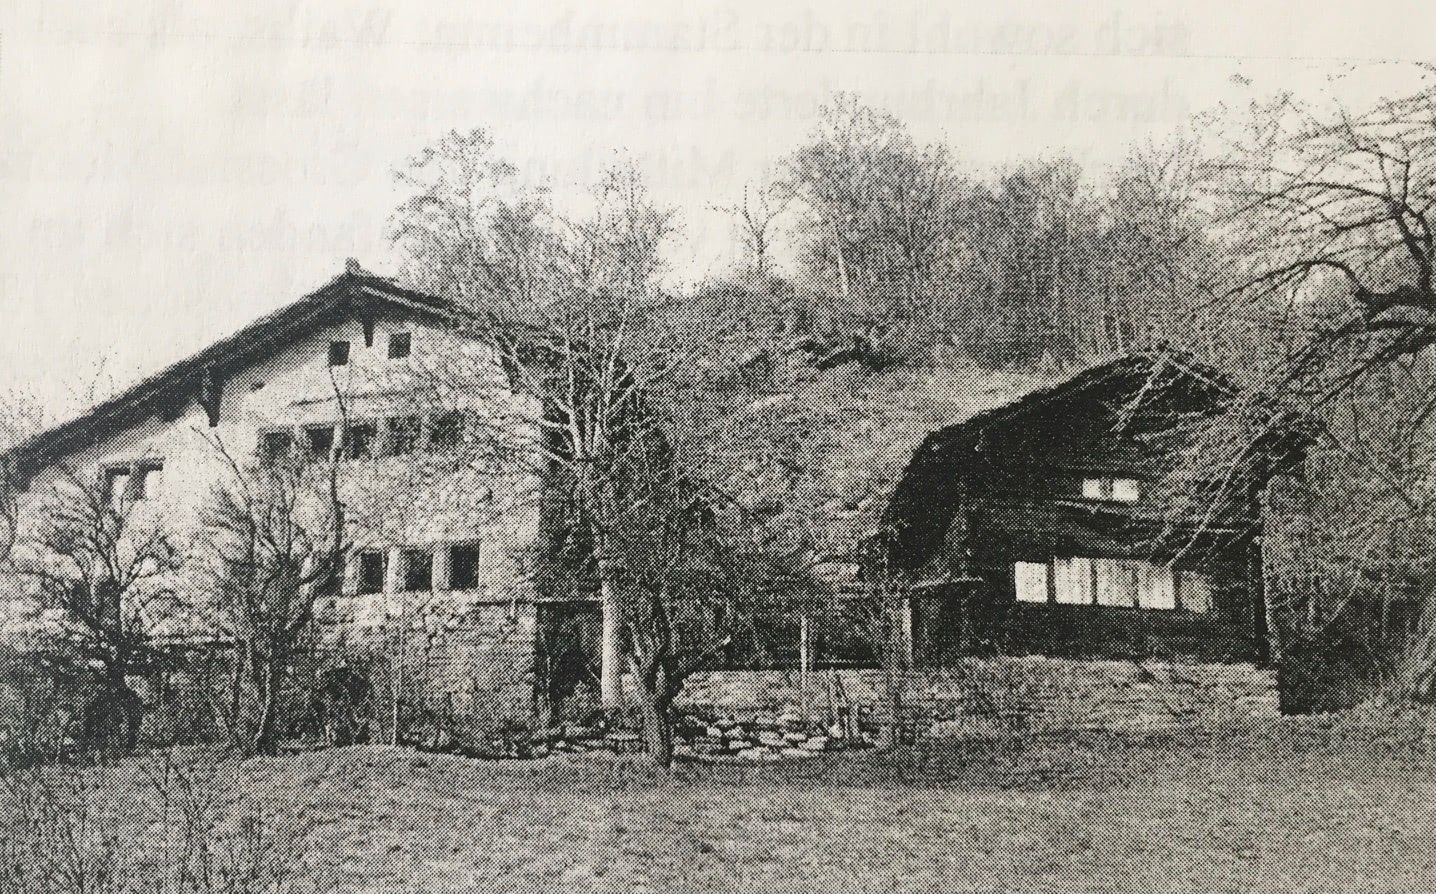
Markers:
<point>1301,805</point>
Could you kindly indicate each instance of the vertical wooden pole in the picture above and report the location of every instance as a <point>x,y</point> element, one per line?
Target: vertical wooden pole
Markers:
<point>906,630</point>
<point>393,595</point>
<point>610,659</point>
<point>805,664</point>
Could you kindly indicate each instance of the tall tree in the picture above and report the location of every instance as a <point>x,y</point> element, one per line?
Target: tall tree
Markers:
<point>585,342</point>
<point>101,571</point>
<point>277,536</point>
<point>876,213</point>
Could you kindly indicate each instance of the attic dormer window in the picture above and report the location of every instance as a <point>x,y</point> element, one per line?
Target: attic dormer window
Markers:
<point>1113,490</point>
<point>338,353</point>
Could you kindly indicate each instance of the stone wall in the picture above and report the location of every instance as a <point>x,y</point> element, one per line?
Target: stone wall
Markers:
<point>989,695</point>
<point>467,664</point>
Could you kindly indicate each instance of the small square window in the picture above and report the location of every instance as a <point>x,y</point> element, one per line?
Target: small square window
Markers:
<point>338,353</point>
<point>359,440</point>
<point>1125,490</point>
<point>319,440</point>
<point>1116,490</point>
<point>399,344</point>
<point>147,480</point>
<point>1196,591</point>
<point>464,567</point>
<point>403,435</point>
<point>1156,586</point>
<point>446,432</point>
<point>274,447</point>
<point>1118,582</point>
<point>1031,578</point>
<point>418,570</point>
<point>371,571</point>
<point>117,486</point>
<point>1072,580</point>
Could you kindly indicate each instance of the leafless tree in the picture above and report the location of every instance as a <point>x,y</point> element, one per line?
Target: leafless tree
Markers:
<point>278,538</point>
<point>755,218</point>
<point>102,576</point>
<point>877,213</point>
<point>587,342</point>
<point>1317,257</point>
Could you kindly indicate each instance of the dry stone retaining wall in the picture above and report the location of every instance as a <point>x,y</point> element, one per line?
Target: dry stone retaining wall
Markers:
<point>986,695</point>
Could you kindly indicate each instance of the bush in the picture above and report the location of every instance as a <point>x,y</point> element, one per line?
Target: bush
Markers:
<point>35,715</point>
<point>58,834</point>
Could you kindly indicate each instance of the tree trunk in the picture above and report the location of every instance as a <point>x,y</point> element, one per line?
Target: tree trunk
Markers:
<point>266,734</point>
<point>653,705</point>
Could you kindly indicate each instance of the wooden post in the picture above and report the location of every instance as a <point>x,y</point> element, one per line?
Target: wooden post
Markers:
<point>905,615</point>
<point>393,596</point>
<point>805,665</point>
<point>610,657</point>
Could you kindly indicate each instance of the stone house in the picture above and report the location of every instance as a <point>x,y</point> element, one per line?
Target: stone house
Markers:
<point>414,405</point>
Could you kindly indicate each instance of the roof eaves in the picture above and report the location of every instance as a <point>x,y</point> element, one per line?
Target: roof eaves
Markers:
<point>257,335</point>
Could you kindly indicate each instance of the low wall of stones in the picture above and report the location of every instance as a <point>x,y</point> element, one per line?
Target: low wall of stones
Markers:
<point>983,696</point>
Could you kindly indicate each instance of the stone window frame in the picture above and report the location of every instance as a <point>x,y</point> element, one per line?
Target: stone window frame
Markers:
<point>360,587</point>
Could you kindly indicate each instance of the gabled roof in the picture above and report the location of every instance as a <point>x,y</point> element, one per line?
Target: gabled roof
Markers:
<point>921,504</point>
<point>167,392</point>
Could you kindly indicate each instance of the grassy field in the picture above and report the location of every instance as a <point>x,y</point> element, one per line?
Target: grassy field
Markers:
<point>1316,804</point>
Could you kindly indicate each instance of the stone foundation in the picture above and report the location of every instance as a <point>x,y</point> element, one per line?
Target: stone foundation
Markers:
<point>471,670</point>
<point>981,696</point>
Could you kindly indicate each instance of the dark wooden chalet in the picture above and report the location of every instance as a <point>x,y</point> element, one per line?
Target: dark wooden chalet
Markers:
<point>1045,526</point>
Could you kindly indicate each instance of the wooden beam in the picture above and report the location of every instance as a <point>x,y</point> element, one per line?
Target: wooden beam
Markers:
<point>211,395</point>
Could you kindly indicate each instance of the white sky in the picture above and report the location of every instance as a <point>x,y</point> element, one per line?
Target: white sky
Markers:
<point>170,171</point>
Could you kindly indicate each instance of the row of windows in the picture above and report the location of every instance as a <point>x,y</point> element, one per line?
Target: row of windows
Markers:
<point>416,569</point>
<point>1113,490</point>
<point>400,344</point>
<point>131,482</point>
<point>1119,583</point>
<point>365,439</point>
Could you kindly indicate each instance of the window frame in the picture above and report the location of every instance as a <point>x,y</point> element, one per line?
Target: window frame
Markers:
<point>1102,488</point>
<point>117,479</point>
<point>454,550</point>
<point>1150,577</point>
<point>438,423</point>
<point>141,487</point>
<point>370,442</point>
<point>393,425</point>
<point>310,452</point>
<point>407,567</point>
<point>267,439</point>
<point>359,576</point>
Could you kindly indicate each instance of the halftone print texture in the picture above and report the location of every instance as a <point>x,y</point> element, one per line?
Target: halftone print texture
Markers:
<point>898,515</point>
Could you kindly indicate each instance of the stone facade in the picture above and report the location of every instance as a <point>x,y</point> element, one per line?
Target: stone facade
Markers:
<point>468,629</point>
